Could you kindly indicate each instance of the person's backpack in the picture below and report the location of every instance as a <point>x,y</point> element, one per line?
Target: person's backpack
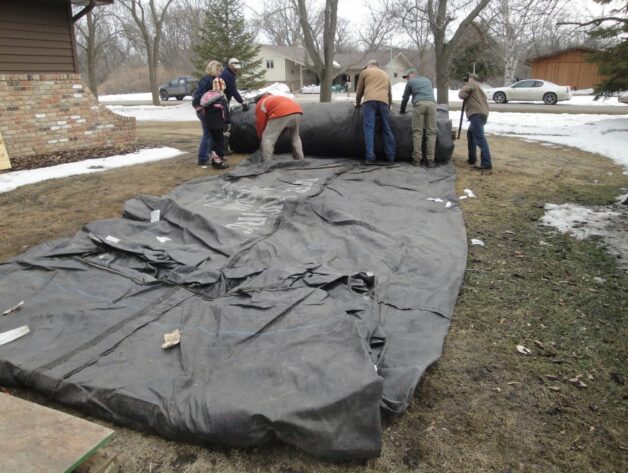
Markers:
<point>210,98</point>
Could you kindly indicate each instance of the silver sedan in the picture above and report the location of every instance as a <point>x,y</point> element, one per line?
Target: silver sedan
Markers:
<point>531,90</point>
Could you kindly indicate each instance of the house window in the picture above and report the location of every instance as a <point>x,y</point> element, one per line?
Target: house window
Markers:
<point>270,64</point>
<point>395,75</point>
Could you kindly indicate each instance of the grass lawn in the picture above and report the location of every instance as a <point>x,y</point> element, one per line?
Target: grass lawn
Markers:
<point>484,406</point>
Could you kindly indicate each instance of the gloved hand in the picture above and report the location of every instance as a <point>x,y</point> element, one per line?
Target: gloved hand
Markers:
<point>402,111</point>
<point>245,107</point>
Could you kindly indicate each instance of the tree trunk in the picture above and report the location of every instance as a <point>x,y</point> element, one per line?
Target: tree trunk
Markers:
<point>327,77</point>
<point>442,75</point>
<point>510,65</point>
<point>91,55</point>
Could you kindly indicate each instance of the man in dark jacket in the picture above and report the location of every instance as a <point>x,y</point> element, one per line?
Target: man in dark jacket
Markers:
<point>229,76</point>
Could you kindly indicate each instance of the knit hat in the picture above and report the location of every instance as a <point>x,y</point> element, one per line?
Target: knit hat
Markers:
<point>410,71</point>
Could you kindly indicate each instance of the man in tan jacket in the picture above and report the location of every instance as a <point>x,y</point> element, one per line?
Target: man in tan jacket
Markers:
<point>374,94</point>
<point>476,106</point>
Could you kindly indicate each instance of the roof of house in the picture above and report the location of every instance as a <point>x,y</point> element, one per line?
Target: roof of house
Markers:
<point>298,55</point>
<point>558,53</point>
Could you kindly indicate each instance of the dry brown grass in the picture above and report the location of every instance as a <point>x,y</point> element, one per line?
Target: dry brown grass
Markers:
<point>483,407</point>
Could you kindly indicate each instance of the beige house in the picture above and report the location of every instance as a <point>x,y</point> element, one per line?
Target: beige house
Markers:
<point>289,65</point>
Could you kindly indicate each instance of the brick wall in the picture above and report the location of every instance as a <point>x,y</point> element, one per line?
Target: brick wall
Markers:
<point>43,113</point>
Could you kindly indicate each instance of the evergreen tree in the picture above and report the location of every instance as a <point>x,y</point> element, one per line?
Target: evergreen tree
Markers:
<point>225,35</point>
<point>612,62</point>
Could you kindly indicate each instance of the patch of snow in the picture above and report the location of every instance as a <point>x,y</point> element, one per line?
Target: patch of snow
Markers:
<point>12,180</point>
<point>469,192</point>
<point>603,134</point>
<point>475,241</point>
<point>580,222</point>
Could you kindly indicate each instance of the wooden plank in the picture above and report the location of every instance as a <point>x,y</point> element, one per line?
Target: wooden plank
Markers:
<point>101,462</point>
<point>21,51</point>
<point>20,59</point>
<point>4,34</point>
<point>29,26</point>
<point>5,163</point>
<point>35,43</point>
<point>12,68</point>
<point>36,439</point>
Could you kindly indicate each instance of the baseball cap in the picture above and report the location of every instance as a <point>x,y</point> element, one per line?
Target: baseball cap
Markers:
<point>408,72</point>
<point>235,63</point>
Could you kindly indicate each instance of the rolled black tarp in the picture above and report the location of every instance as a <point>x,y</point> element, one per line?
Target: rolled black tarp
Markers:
<point>335,130</point>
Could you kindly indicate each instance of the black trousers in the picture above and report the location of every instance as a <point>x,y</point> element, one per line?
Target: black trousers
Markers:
<point>218,140</point>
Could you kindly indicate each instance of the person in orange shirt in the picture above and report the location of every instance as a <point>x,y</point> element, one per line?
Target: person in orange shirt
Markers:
<point>273,115</point>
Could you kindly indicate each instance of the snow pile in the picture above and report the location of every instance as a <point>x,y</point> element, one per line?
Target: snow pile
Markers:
<point>276,88</point>
<point>12,180</point>
<point>143,96</point>
<point>178,113</point>
<point>311,89</point>
<point>603,134</point>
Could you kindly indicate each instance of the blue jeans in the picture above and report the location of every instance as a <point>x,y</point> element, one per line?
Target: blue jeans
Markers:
<point>206,145</point>
<point>370,110</point>
<point>475,137</point>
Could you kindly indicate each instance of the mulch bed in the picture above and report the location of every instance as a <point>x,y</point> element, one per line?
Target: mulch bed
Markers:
<point>62,157</point>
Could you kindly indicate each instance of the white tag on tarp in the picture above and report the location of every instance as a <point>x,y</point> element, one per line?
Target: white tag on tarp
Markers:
<point>112,239</point>
<point>163,239</point>
<point>155,215</point>
<point>6,337</point>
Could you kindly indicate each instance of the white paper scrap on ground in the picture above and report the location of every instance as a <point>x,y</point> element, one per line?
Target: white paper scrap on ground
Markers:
<point>475,241</point>
<point>155,215</point>
<point>112,239</point>
<point>163,239</point>
<point>171,339</point>
<point>469,192</point>
<point>6,337</point>
<point>12,180</point>
<point>16,307</point>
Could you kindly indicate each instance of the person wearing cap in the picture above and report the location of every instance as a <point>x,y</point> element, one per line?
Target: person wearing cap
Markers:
<point>476,108</point>
<point>374,95</point>
<point>423,116</point>
<point>273,115</point>
<point>229,76</point>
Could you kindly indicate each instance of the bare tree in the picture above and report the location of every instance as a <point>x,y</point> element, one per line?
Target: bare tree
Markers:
<point>515,25</point>
<point>148,19</point>
<point>96,39</point>
<point>440,14</point>
<point>323,63</point>
<point>410,17</point>
<point>181,30</point>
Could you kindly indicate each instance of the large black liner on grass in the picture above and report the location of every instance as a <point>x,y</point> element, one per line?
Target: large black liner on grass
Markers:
<point>309,296</point>
<point>335,129</point>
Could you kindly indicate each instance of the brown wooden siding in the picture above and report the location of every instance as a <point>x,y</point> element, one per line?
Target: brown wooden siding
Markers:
<point>36,36</point>
<point>570,68</point>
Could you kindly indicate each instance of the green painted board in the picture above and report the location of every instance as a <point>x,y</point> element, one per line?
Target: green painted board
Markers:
<point>36,439</point>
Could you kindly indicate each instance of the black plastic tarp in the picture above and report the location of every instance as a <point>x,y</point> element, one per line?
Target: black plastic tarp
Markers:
<point>309,295</point>
<point>335,129</point>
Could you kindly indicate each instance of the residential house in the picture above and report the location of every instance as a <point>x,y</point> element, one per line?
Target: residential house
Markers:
<point>567,67</point>
<point>290,65</point>
<point>44,106</point>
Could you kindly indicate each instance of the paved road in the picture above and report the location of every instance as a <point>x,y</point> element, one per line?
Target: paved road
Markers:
<point>494,107</point>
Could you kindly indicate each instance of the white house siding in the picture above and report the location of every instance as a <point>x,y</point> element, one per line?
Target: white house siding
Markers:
<point>396,66</point>
<point>284,70</point>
